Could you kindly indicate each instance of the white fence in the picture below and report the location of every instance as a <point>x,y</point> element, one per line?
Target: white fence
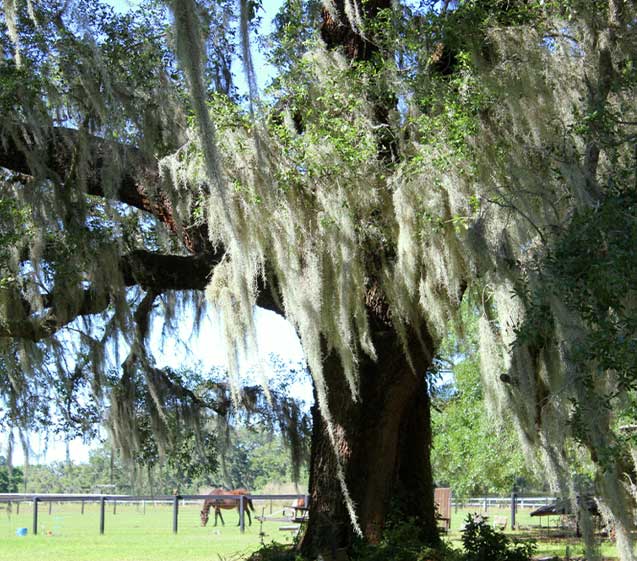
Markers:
<point>485,503</point>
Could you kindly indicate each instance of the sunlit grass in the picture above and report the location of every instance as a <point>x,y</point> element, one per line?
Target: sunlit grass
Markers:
<point>130,535</point>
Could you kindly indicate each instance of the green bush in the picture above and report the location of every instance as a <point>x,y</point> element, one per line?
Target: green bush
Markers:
<point>402,542</point>
<point>275,552</point>
<point>483,543</point>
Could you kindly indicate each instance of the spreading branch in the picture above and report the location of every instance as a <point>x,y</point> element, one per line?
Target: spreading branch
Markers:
<point>138,185</point>
<point>151,271</point>
<point>138,182</point>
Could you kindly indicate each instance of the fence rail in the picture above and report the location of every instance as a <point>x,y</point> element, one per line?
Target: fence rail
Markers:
<point>499,502</point>
<point>485,503</point>
<point>9,497</point>
<point>36,498</point>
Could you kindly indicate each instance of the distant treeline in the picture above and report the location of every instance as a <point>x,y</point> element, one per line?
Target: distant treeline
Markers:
<point>253,461</point>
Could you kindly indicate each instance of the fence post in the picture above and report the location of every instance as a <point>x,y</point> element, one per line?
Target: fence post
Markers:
<point>35,516</point>
<point>102,506</point>
<point>50,507</point>
<point>17,508</point>
<point>242,522</point>
<point>175,513</point>
<point>82,510</point>
<point>115,506</point>
<point>514,498</point>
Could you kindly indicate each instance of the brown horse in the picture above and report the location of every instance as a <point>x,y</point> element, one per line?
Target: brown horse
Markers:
<point>218,504</point>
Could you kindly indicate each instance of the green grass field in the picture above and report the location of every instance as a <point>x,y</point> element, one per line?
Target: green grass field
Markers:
<point>130,534</point>
<point>134,535</point>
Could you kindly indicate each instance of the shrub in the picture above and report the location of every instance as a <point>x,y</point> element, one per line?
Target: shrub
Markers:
<point>483,543</point>
<point>274,552</point>
<point>402,542</point>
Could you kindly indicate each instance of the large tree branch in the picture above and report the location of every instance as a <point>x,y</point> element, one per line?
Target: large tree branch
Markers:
<point>159,272</point>
<point>153,272</point>
<point>37,327</point>
<point>137,184</point>
<point>56,156</point>
<point>135,180</point>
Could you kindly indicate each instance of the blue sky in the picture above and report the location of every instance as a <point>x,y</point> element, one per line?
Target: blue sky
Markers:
<point>269,9</point>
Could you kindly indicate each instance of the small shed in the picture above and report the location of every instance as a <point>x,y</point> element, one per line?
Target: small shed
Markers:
<point>442,500</point>
<point>563,507</point>
<point>555,509</point>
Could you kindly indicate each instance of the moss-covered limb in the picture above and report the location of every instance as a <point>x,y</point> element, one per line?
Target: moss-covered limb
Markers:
<point>345,25</point>
<point>40,326</point>
<point>149,270</point>
<point>137,183</point>
<point>160,272</point>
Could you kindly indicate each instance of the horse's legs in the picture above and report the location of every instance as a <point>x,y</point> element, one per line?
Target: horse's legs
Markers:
<point>221,516</point>
<point>246,510</point>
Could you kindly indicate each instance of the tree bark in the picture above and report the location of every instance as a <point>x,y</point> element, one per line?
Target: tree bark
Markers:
<point>384,445</point>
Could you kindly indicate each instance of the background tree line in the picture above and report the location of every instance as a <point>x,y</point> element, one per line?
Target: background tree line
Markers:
<point>475,451</point>
<point>256,460</point>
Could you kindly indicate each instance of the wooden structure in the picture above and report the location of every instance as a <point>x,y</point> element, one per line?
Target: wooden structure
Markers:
<point>442,500</point>
<point>564,507</point>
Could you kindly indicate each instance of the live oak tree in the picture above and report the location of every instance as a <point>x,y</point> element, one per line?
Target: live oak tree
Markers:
<point>403,157</point>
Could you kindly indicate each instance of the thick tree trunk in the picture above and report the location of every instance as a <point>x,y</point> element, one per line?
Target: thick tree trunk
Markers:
<point>384,445</point>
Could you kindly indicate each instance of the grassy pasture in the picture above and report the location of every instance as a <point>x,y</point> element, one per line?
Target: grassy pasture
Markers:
<point>134,535</point>
<point>130,535</point>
